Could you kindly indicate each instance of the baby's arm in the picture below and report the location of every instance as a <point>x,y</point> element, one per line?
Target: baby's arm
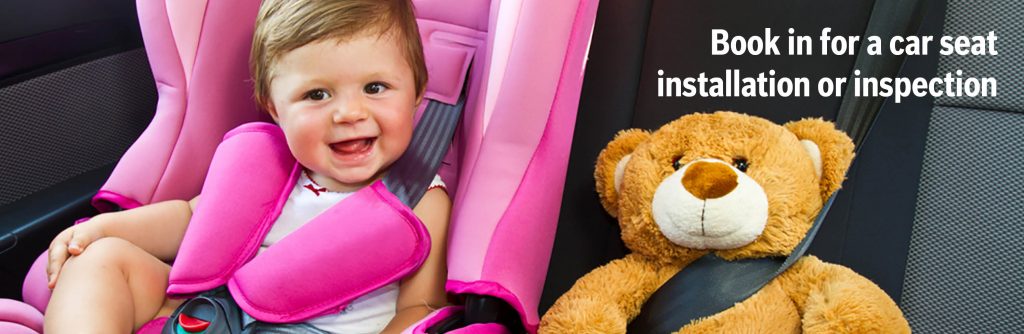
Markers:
<point>423,291</point>
<point>156,228</point>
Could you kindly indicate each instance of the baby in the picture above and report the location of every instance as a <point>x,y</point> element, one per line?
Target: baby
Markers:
<point>342,78</point>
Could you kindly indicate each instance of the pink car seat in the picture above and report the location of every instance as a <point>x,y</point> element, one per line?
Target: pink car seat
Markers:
<point>520,64</point>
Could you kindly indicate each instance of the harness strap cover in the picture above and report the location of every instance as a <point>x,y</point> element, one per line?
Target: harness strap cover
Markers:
<point>364,242</point>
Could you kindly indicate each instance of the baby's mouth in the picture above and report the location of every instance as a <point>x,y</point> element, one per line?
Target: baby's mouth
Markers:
<point>354,148</point>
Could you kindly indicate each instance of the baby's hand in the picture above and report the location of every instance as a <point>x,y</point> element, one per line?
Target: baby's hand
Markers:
<point>69,242</point>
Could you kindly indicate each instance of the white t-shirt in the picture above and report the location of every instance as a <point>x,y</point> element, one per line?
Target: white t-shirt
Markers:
<point>369,313</point>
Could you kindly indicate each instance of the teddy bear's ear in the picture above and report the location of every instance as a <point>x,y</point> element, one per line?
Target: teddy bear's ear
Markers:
<point>830,149</point>
<point>611,163</point>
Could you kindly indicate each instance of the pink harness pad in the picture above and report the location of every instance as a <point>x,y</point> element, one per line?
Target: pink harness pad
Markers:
<point>364,242</point>
<point>370,240</point>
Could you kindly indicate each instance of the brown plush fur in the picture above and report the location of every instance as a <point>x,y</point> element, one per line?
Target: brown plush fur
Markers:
<point>625,142</point>
<point>812,296</point>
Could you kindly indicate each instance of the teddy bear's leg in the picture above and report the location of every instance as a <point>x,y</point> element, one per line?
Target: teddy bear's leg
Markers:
<point>583,315</point>
<point>607,298</point>
<point>853,305</point>
<point>835,299</point>
<point>768,311</point>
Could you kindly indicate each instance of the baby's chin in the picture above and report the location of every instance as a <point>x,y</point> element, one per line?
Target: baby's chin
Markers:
<point>353,178</point>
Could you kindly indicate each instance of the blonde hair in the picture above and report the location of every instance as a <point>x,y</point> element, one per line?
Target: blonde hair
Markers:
<point>285,25</point>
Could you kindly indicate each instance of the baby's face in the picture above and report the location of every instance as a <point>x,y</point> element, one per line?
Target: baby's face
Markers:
<point>346,107</point>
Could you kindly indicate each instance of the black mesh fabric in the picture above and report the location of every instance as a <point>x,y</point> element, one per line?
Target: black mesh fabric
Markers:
<point>1006,19</point>
<point>64,123</point>
<point>964,271</point>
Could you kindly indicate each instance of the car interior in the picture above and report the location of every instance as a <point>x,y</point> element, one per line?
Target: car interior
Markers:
<point>930,210</point>
<point>917,177</point>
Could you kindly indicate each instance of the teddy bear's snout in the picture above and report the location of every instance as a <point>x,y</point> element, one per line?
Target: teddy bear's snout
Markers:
<point>709,204</point>
<point>707,180</point>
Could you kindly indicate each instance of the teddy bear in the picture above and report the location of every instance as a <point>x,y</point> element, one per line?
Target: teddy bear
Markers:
<point>740,187</point>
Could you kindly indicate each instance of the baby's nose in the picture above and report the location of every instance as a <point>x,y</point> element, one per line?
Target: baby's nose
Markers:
<point>707,180</point>
<point>350,111</point>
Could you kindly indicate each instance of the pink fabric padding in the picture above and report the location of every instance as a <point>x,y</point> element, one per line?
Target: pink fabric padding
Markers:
<point>15,328</point>
<point>219,96</point>
<point>163,162</point>
<point>448,50</point>
<point>518,260</point>
<point>12,311</point>
<point>468,135</point>
<point>504,21</point>
<point>289,282</point>
<point>211,250</point>
<point>364,242</point>
<point>155,326</point>
<point>466,13</point>
<point>34,290</point>
<point>137,174</point>
<point>106,201</point>
<point>521,115</point>
<point>186,19</point>
<point>437,316</point>
<point>521,165</point>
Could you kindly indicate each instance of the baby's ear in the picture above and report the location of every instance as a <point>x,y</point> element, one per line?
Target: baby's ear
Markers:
<point>269,107</point>
<point>611,164</point>
<point>830,149</point>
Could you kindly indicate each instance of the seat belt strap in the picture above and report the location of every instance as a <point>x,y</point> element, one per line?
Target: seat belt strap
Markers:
<point>888,19</point>
<point>412,173</point>
<point>716,284</point>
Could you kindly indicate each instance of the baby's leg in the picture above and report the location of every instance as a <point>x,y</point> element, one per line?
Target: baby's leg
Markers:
<point>112,287</point>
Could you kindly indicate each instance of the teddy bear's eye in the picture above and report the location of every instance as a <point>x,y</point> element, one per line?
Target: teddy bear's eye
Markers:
<point>741,164</point>
<point>675,162</point>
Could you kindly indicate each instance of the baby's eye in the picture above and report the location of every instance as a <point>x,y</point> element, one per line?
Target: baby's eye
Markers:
<point>374,88</point>
<point>317,95</point>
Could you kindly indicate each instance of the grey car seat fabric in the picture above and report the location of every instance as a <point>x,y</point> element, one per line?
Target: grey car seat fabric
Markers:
<point>964,272</point>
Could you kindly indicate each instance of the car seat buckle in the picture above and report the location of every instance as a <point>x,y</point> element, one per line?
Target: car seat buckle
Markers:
<point>192,325</point>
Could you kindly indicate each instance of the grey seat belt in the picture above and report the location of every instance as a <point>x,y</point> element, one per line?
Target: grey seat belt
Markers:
<point>412,173</point>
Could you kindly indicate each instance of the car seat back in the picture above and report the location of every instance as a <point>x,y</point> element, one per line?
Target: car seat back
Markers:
<point>198,52</point>
<point>510,186</point>
<point>963,270</point>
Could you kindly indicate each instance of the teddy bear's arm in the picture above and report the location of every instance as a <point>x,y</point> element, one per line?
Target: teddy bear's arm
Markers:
<point>607,298</point>
<point>835,299</point>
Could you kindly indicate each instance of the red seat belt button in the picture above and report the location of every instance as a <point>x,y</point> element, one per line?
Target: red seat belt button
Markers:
<point>192,325</point>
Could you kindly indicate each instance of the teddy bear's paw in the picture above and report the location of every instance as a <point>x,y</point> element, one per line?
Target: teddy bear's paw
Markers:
<point>583,316</point>
<point>852,308</point>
